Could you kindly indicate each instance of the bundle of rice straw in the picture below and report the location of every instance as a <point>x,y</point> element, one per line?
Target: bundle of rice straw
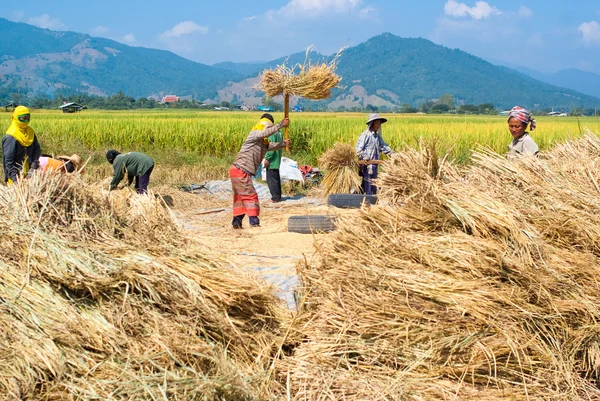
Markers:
<point>340,164</point>
<point>102,297</point>
<point>470,285</point>
<point>311,81</point>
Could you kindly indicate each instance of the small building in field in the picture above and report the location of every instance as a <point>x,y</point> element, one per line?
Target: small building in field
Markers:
<point>169,99</point>
<point>72,108</point>
<point>10,106</point>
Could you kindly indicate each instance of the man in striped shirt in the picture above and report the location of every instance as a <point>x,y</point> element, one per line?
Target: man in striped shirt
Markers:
<point>245,198</point>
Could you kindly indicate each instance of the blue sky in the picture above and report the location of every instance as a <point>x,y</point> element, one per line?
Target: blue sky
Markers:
<point>543,35</point>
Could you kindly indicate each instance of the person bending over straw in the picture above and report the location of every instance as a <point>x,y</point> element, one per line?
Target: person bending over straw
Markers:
<point>245,198</point>
<point>62,164</point>
<point>522,143</point>
<point>20,148</point>
<point>369,146</point>
<point>134,164</point>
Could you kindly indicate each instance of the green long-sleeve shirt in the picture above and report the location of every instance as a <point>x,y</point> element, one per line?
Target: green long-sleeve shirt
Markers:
<point>274,156</point>
<point>133,164</point>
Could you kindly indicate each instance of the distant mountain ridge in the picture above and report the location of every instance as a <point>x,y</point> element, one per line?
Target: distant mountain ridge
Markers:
<point>582,81</point>
<point>384,71</point>
<point>44,61</point>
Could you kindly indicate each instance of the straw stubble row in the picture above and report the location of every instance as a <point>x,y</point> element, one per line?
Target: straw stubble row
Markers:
<point>472,284</point>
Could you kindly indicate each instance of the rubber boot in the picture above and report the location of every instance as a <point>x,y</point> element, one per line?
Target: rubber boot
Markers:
<point>254,221</point>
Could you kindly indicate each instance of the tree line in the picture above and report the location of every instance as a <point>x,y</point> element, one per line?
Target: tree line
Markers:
<point>444,105</point>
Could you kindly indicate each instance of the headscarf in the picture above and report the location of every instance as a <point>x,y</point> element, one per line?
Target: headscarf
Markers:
<point>522,115</point>
<point>21,131</point>
<point>262,125</point>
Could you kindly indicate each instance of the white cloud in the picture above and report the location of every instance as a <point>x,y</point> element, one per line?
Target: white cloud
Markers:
<point>46,21</point>
<point>129,38</point>
<point>100,30</point>
<point>252,18</point>
<point>525,12</point>
<point>184,28</point>
<point>590,32</point>
<point>367,12</point>
<point>182,37</point>
<point>481,9</point>
<point>315,8</point>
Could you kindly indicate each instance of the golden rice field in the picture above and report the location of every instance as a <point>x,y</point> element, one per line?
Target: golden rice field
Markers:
<point>188,137</point>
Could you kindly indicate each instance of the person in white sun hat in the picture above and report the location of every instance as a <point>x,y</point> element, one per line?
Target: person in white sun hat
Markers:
<point>369,147</point>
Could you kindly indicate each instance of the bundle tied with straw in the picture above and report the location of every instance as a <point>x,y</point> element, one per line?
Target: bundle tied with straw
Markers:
<point>341,170</point>
<point>311,81</point>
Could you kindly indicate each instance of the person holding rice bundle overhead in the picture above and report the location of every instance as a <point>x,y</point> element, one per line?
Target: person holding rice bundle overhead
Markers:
<point>20,147</point>
<point>369,146</point>
<point>249,158</point>
<point>522,144</point>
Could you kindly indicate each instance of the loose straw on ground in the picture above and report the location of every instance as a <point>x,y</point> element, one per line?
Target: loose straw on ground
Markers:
<point>477,283</point>
<point>102,296</point>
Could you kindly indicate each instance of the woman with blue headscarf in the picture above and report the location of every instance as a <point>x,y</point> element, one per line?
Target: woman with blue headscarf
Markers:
<point>20,147</point>
<point>522,144</point>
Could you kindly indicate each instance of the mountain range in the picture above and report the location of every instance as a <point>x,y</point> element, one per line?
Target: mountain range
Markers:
<point>386,70</point>
<point>582,81</point>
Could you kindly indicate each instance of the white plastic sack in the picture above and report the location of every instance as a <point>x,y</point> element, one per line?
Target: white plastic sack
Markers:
<point>288,171</point>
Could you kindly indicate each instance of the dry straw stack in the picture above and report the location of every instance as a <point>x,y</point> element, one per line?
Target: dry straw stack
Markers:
<point>341,170</point>
<point>146,315</point>
<point>470,285</point>
<point>311,81</point>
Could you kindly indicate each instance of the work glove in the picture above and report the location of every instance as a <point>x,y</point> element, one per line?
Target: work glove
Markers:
<point>370,169</point>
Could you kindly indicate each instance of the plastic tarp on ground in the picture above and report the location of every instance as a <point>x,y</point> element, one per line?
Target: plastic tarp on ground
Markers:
<point>288,171</point>
<point>223,190</point>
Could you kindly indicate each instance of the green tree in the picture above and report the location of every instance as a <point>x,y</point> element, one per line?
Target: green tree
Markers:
<point>269,102</point>
<point>407,108</point>
<point>447,100</point>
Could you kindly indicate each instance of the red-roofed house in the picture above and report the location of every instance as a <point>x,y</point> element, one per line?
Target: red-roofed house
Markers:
<point>169,99</point>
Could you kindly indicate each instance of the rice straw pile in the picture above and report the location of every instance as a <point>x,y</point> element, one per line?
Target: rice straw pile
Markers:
<point>102,297</point>
<point>311,81</point>
<point>340,164</point>
<point>470,285</point>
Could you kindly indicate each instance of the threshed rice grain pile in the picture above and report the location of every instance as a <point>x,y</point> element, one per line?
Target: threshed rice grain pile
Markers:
<point>480,284</point>
<point>102,297</point>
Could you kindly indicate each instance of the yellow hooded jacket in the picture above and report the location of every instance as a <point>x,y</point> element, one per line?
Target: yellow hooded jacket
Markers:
<point>21,131</point>
<point>13,159</point>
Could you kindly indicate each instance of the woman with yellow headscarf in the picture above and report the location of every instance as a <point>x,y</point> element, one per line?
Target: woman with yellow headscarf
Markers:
<point>20,147</point>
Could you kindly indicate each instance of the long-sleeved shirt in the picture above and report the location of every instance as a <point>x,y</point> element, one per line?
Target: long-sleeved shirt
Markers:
<point>274,156</point>
<point>370,145</point>
<point>14,154</point>
<point>522,146</point>
<point>256,146</point>
<point>134,164</point>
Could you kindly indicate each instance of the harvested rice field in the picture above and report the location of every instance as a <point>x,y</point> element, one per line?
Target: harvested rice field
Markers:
<point>469,280</point>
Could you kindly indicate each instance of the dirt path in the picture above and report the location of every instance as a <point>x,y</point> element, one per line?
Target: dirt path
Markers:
<point>269,250</point>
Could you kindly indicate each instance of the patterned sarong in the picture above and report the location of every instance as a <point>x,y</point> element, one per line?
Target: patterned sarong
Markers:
<point>245,198</point>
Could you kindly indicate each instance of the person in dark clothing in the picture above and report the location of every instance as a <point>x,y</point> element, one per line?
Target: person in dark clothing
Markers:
<point>20,148</point>
<point>272,162</point>
<point>135,165</point>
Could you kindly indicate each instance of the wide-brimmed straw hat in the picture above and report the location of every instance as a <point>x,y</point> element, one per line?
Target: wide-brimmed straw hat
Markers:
<point>75,159</point>
<point>374,117</point>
